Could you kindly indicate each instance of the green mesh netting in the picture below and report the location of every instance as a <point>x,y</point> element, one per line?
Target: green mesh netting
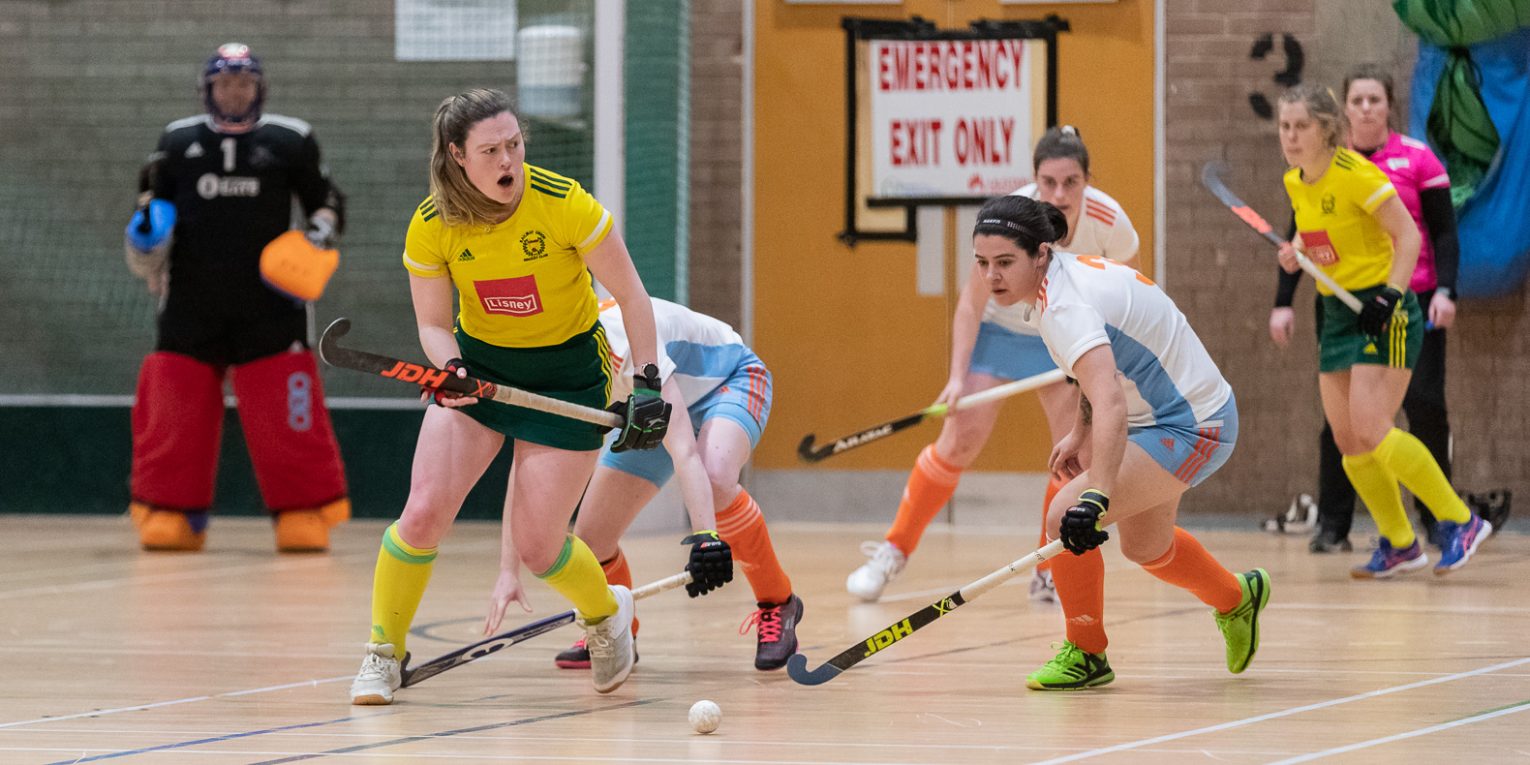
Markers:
<point>1459,124</point>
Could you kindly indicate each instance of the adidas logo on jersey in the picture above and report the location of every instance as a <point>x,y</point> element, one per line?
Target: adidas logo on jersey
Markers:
<point>193,151</point>
<point>466,256</point>
<point>1168,443</point>
<point>1370,349</point>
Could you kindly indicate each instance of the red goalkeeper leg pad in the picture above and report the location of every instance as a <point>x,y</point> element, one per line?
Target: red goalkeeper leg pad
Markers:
<point>287,429</point>
<point>177,424</point>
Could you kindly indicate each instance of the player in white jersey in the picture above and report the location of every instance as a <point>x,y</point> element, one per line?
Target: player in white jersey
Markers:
<point>991,345</point>
<point>721,394</point>
<point>1154,417</point>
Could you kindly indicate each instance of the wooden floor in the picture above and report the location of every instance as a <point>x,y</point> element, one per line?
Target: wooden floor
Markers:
<point>236,655</point>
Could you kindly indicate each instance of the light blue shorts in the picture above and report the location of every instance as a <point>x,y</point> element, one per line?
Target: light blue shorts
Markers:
<point>743,398</point>
<point>1192,454</point>
<point>1009,355</point>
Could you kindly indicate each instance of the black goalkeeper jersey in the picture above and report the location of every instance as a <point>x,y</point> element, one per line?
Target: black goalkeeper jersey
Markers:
<point>233,194</point>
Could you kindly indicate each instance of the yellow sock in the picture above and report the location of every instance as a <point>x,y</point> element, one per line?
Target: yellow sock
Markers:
<point>1411,462</point>
<point>1377,488</point>
<point>397,587</point>
<point>577,575</point>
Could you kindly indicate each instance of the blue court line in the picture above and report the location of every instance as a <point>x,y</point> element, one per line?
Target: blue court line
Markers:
<point>444,734</point>
<point>213,740</point>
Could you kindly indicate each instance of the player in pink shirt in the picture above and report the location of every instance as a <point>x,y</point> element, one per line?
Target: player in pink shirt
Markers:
<point>1424,188</point>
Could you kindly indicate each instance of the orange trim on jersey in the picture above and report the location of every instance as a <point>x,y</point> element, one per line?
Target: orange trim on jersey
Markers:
<point>1101,215</point>
<point>1100,211</point>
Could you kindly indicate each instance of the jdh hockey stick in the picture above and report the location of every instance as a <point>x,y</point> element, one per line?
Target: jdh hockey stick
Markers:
<point>430,377</point>
<point>796,666</point>
<point>808,453</point>
<point>482,648</point>
<point>1211,178</point>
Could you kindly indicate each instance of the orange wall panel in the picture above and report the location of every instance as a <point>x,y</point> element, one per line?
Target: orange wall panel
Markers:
<point>848,339</point>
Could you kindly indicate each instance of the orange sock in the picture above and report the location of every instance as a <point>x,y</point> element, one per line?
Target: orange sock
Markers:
<point>930,486</point>
<point>1053,486</point>
<point>1080,581</point>
<point>1189,567</point>
<point>741,525</point>
<point>617,572</point>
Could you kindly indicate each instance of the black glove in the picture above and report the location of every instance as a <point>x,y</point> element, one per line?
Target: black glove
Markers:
<point>645,416</point>
<point>1081,530</point>
<point>711,563</point>
<point>1377,312</point>
<point>453,368</point>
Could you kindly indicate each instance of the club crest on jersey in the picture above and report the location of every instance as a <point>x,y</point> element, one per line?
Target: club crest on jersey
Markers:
<point>516,296</point>
<point>212,186</point>
<point>534,244</point>
<point>1327,203</point>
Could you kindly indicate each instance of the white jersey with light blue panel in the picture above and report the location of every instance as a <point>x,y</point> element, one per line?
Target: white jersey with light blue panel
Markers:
<point>1008,349</point>
<point>1179,408</point>
<point>717,374</point>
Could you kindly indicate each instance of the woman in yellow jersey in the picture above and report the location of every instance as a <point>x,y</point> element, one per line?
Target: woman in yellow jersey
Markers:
<point>1351,223</point>
<point>519,244</point>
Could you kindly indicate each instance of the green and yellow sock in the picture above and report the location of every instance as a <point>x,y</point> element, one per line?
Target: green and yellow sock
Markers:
<point>577,575</point>
<point>1411,462</point>
<point>398,584</point>
<point>1377,488</point>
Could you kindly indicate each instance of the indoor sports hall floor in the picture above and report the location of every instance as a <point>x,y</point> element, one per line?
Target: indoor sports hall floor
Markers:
<point>236,655</point>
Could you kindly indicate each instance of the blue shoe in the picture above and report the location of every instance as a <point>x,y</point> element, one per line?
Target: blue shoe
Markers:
<point>1460,541</point>
<point>1387,561</point>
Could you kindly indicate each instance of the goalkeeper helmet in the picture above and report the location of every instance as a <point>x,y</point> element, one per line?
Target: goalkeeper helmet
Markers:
<point>233,58</point>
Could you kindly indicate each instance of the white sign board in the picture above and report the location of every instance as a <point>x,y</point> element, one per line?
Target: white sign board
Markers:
<point>454,30</point>
<point>954,118</point>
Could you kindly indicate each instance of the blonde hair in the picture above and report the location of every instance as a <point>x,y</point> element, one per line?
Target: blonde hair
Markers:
<point>459,202</point>
<point>1323,107</point>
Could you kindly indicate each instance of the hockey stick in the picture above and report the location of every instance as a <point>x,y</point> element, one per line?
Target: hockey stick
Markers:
<point>482,648</point>
<point>430,377</point>
<point>796,666</point>
<point>1211,178</point>
<point>808,453</point>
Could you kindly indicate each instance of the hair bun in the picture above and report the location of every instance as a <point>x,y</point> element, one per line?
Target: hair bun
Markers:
<point>1069,130</point>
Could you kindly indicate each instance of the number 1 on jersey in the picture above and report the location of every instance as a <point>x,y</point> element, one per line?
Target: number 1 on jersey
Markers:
<point>228,154</point>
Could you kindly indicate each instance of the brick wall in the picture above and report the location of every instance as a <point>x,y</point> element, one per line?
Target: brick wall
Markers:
<point>1223,276</point>
<point>716,158</point>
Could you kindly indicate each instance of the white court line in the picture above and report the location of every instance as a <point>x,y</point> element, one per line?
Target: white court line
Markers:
<point>274,565</point>
<point>1282,713</point>
<point>1377,608</point>
<point>173,702</point>
<point>1410,734</point>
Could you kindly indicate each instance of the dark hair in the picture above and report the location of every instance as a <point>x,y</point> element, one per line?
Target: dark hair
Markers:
<point>455,196</point>
<point>1022,220</point>
<point>1373,72</point>
<point>1060,142</point>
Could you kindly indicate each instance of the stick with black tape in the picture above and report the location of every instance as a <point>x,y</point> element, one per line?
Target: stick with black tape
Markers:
<point>809,453</point>
<point>796,666</point>
<point>416,675</point>
<point>430,377</point>
<point>1211,178</point>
